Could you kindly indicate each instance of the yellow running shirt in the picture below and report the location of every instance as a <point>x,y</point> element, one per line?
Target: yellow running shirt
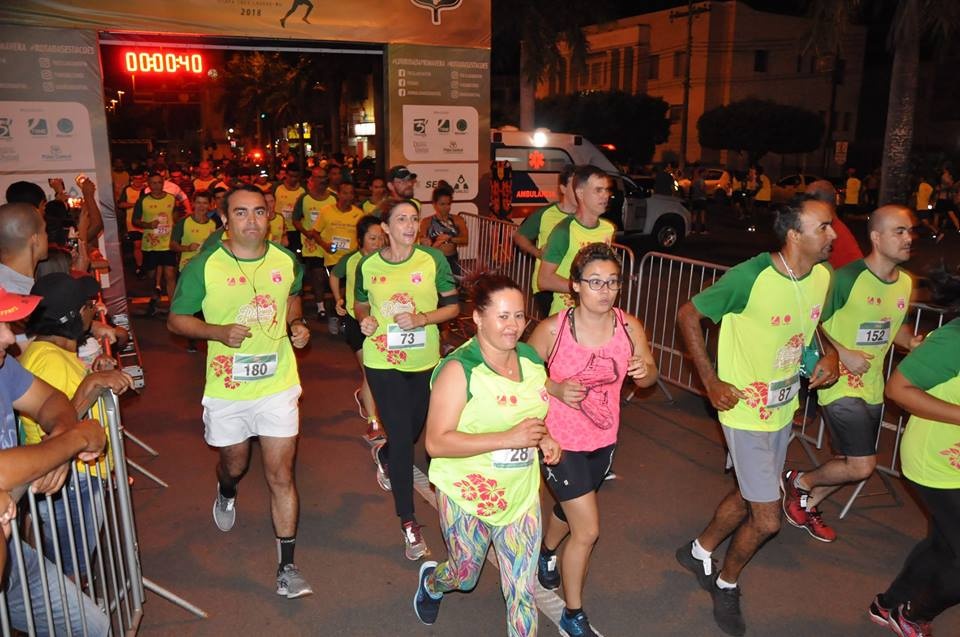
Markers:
<point>413,285</point>
<point>766,320</point>
<point>307,212</point>
<point>563,244</point>
<point>286,202</point>
<point>187,231</point>
<point>339,229</point>
<point>537,228</point>
<point>148,209</point>
<point>251,292</point>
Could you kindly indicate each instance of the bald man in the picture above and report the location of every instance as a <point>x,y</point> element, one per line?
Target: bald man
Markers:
<point>864,316</point>
<point>23,244</point>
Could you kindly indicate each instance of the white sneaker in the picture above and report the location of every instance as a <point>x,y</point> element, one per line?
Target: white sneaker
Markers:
<point>291,584</point>
<point>224,512</point>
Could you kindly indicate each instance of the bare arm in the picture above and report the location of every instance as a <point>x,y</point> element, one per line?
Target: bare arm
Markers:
<point>906,339</point>
<point>550,281</point>
<point>723,396</point>
<point>20,465</point>
<point>91,221</point>
<point>527,246</point>
<point>641,367</point>
<point>447,401</point>
<point>190,326</point>
<point>299,332</point>
<point>919,402</point>
<point>463,236</point>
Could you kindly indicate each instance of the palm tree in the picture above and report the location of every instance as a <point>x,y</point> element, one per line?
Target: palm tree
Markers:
<point>541,27</point>
<point>913,21</point>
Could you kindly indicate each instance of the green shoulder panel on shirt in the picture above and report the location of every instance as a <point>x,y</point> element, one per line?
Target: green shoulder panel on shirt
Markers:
<point>191,286</point>
<point>936,360</point>
<point>729,295</point>
<point>843,280</point>
<point>177,233</point>
<point>530,228</point>
<point>340,269</point>
<point>298,207</point>
<point>359,288</point>
<point>559,242</point>
<point>214,240</point>
<point>468,355</point>
<point>525,351</point>
<point>445,282</point>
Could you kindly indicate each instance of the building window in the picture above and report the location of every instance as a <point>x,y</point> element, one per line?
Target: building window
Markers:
<point>679,58</point>
<point>653,67</point>
<point>676,114</point>
<point>760,60</point>
<point>562,76</point>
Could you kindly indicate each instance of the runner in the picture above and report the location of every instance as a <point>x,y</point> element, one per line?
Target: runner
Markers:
<point>335,232</point>
<point>154,214</point>
<point>592,191</point>
<point>400,186</point>
<point>590,349</point>
<point>927,384</point>
<point>127,200</point>
<point>483,430</point>
<point>864,316</point>
<point>371,238</point>
<point>306,217</point>
<point>770,306</point>
<point>402,293</point>
<point>191,232</point>
<point>287,193</point>
<point>275,231</point>
<point>531,237</point>
<point>378,192</point>
<point>248,290</point>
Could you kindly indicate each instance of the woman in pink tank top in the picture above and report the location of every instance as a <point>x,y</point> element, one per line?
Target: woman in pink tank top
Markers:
<point>590,349</point>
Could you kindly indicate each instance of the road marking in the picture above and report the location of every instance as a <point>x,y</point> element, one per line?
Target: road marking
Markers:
<point>548,602</point>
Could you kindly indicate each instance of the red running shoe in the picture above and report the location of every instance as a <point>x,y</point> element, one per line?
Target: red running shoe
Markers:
<point>907,627</point>
<point>817,528</point>
<point>878,613</point>
<point>794,500</point>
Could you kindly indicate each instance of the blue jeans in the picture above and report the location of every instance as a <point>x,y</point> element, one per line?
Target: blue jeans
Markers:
<point>96,621</point>
<point>77,499</point>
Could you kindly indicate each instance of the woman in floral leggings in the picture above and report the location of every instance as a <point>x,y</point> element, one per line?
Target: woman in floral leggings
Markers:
<point>484,428</point>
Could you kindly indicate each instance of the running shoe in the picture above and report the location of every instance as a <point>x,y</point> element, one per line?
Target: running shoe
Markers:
<point>374,434</point>
<point>152,306</point>
<point>547,573</point>
<point>726,609</point>
<point>291,584</point>
<point>904,627</point>
<point>576,626</point>
<point>321,312</point>
<point>878,613</point>
<point>688,561</point>
<point>610,476</point>
<point>425,604</point>
<point>817,528</point>
<point>414,546</point>
<point>333,325</point>
<point>383,478</point>
<point>794,500</point>
<point>224,511</point>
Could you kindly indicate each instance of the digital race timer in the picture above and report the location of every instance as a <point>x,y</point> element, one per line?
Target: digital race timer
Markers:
<point>160,62</point>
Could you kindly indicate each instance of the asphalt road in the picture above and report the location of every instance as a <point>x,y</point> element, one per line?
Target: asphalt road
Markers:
<point>670,468</point>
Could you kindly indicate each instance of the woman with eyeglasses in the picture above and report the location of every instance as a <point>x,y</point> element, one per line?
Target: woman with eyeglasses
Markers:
<point>590,349</point>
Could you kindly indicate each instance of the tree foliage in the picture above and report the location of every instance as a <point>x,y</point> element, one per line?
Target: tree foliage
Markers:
<point>635,124</point>
<point>758,127</point>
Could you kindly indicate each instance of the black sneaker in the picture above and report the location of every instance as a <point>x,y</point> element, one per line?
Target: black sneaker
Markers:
<point>425,605</point>
<point>695,566</point>
<point>576,626</point>
<point>547,572</point>
<point>152,307</point>
<point>726,609</point>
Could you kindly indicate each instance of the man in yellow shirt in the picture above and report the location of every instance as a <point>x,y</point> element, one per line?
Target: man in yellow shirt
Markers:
<point>154,213</point>
<point>336,234</point>
<point>851,194</point>
<point>306,216</point>
<point>287,193</point>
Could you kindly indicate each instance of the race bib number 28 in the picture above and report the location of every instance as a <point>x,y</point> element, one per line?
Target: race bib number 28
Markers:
<point>514,458</point>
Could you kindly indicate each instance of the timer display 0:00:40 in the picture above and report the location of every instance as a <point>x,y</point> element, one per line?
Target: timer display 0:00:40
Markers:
<point>155,62</point>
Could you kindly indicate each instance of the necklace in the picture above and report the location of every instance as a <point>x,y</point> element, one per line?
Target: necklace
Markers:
<point>503,371</point>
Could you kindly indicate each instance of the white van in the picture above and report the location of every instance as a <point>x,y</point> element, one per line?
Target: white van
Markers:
<point>536,159</point>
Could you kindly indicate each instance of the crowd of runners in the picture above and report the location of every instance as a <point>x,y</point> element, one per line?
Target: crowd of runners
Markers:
<point>503,417</point>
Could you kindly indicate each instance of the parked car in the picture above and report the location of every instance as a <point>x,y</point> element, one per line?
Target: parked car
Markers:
<point>717,181</point>
<point>786,188</point>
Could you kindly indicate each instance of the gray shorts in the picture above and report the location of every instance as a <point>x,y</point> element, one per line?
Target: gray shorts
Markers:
<point>758,458</point>
<point>853,426</point>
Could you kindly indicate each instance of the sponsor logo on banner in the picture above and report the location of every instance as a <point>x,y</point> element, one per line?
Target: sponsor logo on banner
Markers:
<point>436,7</point>
<point>37,126</point>
<point>6,123</point>
<point>65,125</point>
<point>463,178</point>
<point>56,153</point>
<point>439,132</point>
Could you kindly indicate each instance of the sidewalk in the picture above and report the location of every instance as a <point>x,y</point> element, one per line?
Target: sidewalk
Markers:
<point>670,467</point>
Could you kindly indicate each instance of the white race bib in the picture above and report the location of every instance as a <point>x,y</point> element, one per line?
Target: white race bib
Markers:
<point>781,392</point>
<point>399,338</point>
<point>249,367</point>
<point>342,243</point>
<point>873,333</point>
<point>513,458</point>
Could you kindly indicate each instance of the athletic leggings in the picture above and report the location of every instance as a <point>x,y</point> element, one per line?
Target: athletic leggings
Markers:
<point>402,399</point>
<point>930,577</point>
<point>517,545</point>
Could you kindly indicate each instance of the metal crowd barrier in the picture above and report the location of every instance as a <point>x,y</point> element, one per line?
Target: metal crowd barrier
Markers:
<point>96,542</point>
<point>491,249</point>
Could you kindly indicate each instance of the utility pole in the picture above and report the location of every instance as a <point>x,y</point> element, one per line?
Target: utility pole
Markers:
<point>690,13</point>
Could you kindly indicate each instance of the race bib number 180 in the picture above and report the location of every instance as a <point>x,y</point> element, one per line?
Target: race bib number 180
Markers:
<point>514,458</point>
<point>248,367</point>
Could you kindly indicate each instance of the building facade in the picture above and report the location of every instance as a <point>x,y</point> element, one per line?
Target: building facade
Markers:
<point>737,52</point>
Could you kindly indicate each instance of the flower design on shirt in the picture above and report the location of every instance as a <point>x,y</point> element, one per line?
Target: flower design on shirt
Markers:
<point>485,492</point>
<point>262,309</point>
<point>394,356</point>
<point>854,381</point>
<point>222,366</point>
<point>953,455</point>
<point>757,394</point>
<point>789,355</point>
